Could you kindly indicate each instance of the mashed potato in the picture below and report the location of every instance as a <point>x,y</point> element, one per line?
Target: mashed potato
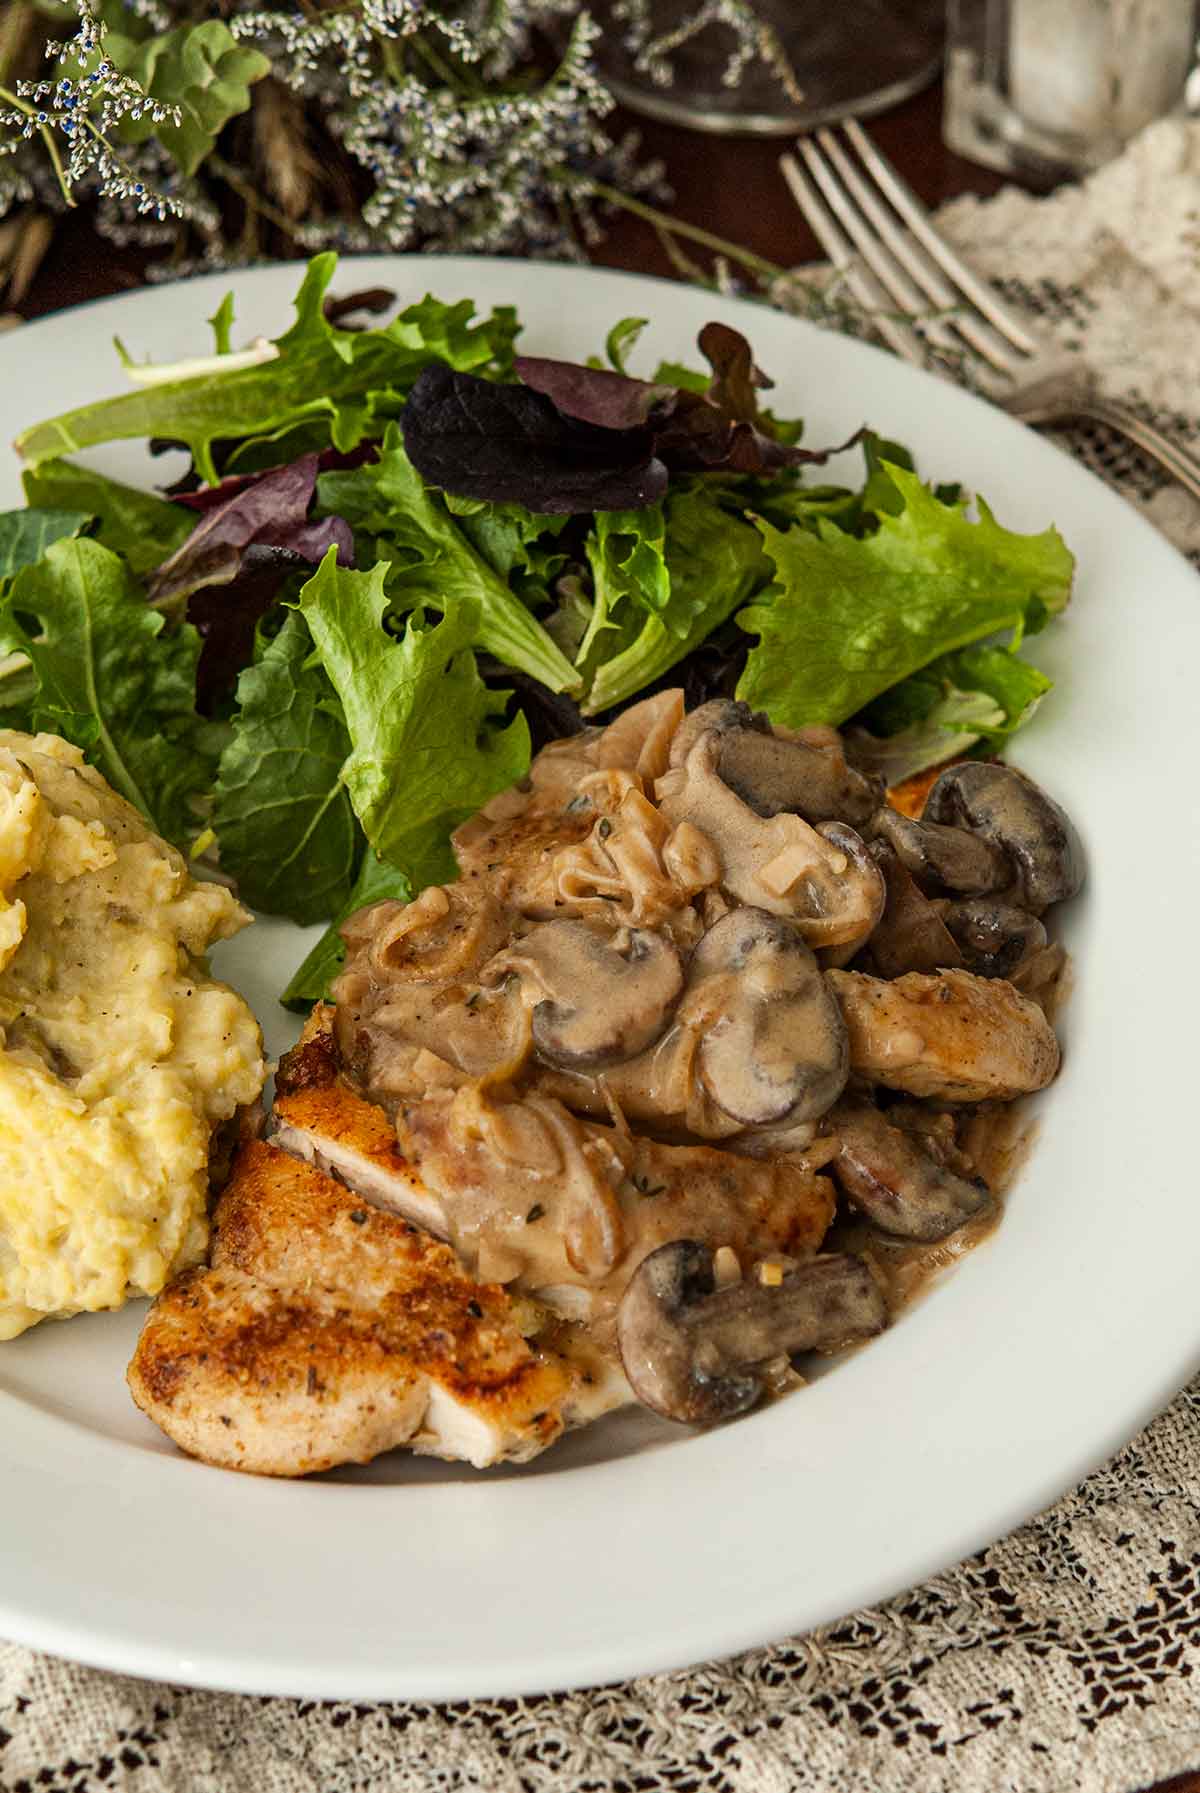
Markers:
<point>119,1053</point>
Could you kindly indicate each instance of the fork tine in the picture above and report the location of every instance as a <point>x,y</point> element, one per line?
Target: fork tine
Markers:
<point>871,249</point>
<point>974,330</point>
<point>913,212</point>
<point>866,289</point>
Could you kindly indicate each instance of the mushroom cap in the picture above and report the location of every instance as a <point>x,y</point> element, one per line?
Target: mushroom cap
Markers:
<point>690,1350</point>
<point>896,1185</point>
<point>994,936</point>
<point>725,715</point>
<point>822,878</point>
<point>658,1348</point>
<point>912,934</point>
<point>862,890</point>
<point>1006,809</point>
<point>949,856</point>
<point>604,995</point>
<point>774,1050</point>
<point>774,775</point>
<point>777,774</point>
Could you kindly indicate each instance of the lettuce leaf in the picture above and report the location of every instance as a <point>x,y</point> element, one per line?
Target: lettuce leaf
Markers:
<point>846,618</point>
<point>25,535</point>
<point>427,747</point>
<point>283,816</point>
<point>139,525</point>
<point>1012,687</point>
<point>113,679</point>
<point>714,561</point>
<point>518,544</point>
<point>980,694</point>
<point>349,381</point>
<point>954,724</point>
<point>432,563</point>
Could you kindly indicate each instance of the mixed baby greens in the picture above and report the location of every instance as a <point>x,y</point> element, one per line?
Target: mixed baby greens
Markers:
<point>306,656</point>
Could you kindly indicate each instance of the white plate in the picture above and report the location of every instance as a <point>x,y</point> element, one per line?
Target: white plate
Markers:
<point>634,1547</point>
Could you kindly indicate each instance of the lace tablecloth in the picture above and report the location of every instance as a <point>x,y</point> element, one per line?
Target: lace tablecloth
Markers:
<point>1065,1656</point>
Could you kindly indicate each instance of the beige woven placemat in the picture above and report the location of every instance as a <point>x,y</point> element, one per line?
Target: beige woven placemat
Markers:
<point>1064,1657</point>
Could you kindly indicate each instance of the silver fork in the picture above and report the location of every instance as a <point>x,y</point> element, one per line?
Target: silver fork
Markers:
<point>922,296</point>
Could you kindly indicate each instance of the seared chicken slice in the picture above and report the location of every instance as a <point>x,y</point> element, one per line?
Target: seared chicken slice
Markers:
<point>531,1195</point>
<point>568,1209</point>
<point>953,1036</point>
<point>319,1118</point>
<point>326,1332</point>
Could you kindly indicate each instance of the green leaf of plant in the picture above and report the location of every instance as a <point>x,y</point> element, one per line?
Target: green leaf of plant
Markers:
<point>200,68</point>
<point>283,816</point>
<point>714,561</point>
<point>518,544</point>
<point>689,379</point>
<point>348,381</point>
<point>142,527</point>
<point>846,618</point>
<point>26,534</point>
<point>221,324</point>
<point>955,723</point>
<point>113,679</point>
<point>1011,686</point>
<point>376,882</point>
<point>432,563</point>
<point>427,744</point>
<point>620,341</point>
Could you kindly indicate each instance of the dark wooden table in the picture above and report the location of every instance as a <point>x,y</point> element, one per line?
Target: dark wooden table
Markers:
<point>731,187</point>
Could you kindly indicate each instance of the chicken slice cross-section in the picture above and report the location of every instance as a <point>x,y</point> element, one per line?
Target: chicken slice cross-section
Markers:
<point>327,1332</point>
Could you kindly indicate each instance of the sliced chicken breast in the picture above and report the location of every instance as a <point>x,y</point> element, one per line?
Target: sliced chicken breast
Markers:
<point>326,1332</point>
<point>319,1118</point>
<point>533,1196</point>
<point>953,1036</point>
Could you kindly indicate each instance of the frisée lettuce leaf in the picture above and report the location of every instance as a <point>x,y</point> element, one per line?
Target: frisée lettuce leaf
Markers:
<point>433,563</point>
<point>427,741</point>
<point>846,617</point>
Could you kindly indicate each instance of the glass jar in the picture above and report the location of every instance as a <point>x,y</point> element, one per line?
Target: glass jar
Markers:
<point>1045,88</point>
<point>766,67</point>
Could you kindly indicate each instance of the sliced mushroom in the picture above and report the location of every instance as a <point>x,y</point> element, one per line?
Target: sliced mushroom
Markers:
<point>773,1047</point>
<point>1002,808</point>
<point>691,1351</point>
<point>599,996</point>
<point>938,855</point>
<point>777,773</point>
<point>863,869</point>
<point>995,937</point>
<point>896,1185</point>
<point>911,935</point>
<point>724,715</point>
<point>831,889</point>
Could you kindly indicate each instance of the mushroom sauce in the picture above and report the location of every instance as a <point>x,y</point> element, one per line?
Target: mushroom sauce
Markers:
<point>700,991</point>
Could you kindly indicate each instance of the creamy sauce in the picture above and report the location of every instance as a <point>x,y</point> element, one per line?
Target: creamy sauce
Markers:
<point>626,969</point>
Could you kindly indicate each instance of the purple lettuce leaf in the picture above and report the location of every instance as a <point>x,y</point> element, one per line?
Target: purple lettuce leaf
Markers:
<point>511,444</point>
<point>253,533</point>
<point>594,394</point>
<point>719,430</point>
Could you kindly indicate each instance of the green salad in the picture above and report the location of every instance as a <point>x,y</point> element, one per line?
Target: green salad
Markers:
<point>404,557</point>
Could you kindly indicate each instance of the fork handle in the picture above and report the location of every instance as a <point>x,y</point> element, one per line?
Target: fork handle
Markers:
<point>1178,462</point>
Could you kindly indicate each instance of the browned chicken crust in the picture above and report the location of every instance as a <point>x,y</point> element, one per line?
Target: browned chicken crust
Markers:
<point>326,1332</point>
